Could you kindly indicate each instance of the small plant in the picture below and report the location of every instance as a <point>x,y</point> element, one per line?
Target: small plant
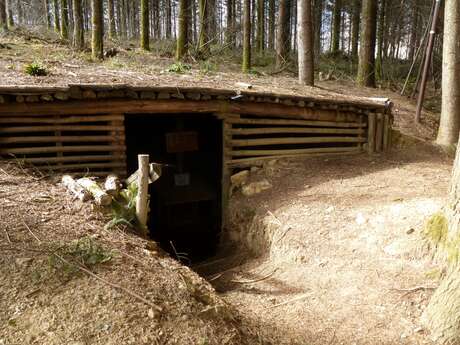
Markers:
<point>124,208</point>
<point>179,67</point>
<point>207,67</point>
<point>35,70</point>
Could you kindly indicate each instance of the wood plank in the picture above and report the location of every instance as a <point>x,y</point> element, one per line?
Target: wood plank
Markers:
<point>52,149</point>
<point>88,158</point>
<point>84,166</point>
<point>244,162</point>
<point>71,119</point>
<point>386,132</point>
<point>54,139</point>
<point>286,141</point>
<point>68,128</point>
<point>289,122</point>
<point>371,132</point>
<point>289,130</point>
<point>379,134</point>
<point>243,153</point>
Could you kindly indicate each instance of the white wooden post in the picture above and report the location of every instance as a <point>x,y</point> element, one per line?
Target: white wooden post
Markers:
<point>142,191</point>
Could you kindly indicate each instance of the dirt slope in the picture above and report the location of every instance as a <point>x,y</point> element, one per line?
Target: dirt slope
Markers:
<point>46,301</point>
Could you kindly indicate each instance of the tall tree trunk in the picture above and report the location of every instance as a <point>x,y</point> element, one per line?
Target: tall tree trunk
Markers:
<point>380,39</point>
<point>284,30</point>
<point>168,19</point>
<point>246,66</point>
<point>145,25</point>
<point>366,66</point>
<point>9,8</point>
<point>355,28</point>
<point>230,29</point>
<point>318,26</point>
<point>46,8</point>
<point>336,21</point>
<point>260,25</point>
<point>111,17</point>
<point>449,125</point>
<point>182,40</point>
<point>21,14</point>
<point>271,24</point>
<point>57,23</point>
<point>203,41</point>
<point>305,42</point>
<point>3,18</point>
<point>414,31</point>
<point>97,44</point>
<point>78,31</point>
<point>64,20</point>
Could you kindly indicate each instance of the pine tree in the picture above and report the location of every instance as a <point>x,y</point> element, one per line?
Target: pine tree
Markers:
<point>145,25</point>
<point>305,42</point>
<point>246,66</point>
<point>97,45</point>
<point>64,20</point>
<point>78,30</point>
<point>283,33</point>
<point>336,23</point>
<point>3,18</point>
<point>366,66</point>
<point>182,38</point>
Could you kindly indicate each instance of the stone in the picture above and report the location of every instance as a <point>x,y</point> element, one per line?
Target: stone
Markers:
<point>62,96</point>
<point>2,99</point>
<point>240,178</point>
<point>89,94</point>
<point>256,187</point>
<point>46,98</point>
<point>178,95</point>
<point>20,99</point>
<point>195,96</point>
<point>23,261</point>
<point>206,97</point>
<point>164,95</point>
<point>132,94</point>
<point>32,99</point>
<point>75,92</point>
<point>148,95</point>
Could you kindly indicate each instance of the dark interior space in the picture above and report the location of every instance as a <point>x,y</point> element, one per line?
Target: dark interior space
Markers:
<point>185,203</point>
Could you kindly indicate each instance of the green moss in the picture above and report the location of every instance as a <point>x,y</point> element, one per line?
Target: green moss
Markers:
<point>436,229</point>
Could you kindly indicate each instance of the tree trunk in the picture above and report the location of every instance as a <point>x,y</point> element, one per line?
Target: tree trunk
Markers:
<point>78,31</point>
<point>318,26</point>
<point>260,26</point>
<point>203,41</point>
<point>168,19</point>
<point>111,17</point>
<point>414,32</point>
<point>182,40</point>
<point>3,19</point>
<point>380,40</point>
<point>366,66</point>
<point>97,45</point>
<point>271,24</point>
<point>246,66</point>
<point>57,23</point>
<point>9,8</point>
<point>336,21</point>
<point>64,20</point>
<point>284,30</point>
<point>145,25</point>
<point>305,42</point>
<point>21,14</point>
<point>230,29</point>
<point>449,126</point>
<point>355,29</point>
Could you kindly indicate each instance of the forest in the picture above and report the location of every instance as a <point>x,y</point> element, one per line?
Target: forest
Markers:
<point>307,166</point>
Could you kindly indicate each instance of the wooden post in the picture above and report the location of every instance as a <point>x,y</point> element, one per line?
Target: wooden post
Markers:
<point>379,134</point>
<point>371,132</point>
<point>142,192</point>
<point>386,132</point>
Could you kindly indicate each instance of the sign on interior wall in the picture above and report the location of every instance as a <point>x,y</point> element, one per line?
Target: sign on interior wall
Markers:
<point>177,142</point>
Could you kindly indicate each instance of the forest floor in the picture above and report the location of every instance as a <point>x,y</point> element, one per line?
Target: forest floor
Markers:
<point>339,237</point>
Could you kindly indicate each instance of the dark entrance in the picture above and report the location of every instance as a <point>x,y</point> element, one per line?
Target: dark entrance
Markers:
<point>185,203</point>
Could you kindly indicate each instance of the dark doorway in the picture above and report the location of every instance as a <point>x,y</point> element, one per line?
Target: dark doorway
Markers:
<point>185,203</point>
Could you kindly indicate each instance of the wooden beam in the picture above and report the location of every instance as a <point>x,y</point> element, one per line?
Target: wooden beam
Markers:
<point>289,130</point>
<point>243,153</point>
<point>372,118</point>
<point>288,122</point>
<point>55,149</point>
<point>50,160</point>
<point>68,128</point>
<point>54,139</point>
<point>282,141</point>
<point>50,120</point>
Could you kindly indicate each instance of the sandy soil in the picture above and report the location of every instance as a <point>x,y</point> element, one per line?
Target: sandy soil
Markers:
<point>343,242</point>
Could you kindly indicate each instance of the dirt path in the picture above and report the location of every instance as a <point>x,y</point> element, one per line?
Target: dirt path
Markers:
<point>346,237</point>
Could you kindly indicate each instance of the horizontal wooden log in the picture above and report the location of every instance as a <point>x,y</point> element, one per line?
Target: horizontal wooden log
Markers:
<point>52,149</point>
<point>255,153</point>
<point>53,120</point>
<point>129,106</point>
<point>83,166</point>
<point>286,141</point>
<point>55,139</point>
<point>294,130</point>
<point>68,128</point>
<point>75,189</point>
<point>99,195</point>
<point>245,162</point>
<point>50,160</point>
<point>289,122</point>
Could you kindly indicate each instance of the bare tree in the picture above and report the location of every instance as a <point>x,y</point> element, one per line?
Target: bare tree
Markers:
<point>182,39</point>
<point>97,45</point>
<point>78,30</point>
<point>145,25</point>
<point>3,19</point>
<point>246,66</point>
<point>305,42</point>
<point>366,66</point>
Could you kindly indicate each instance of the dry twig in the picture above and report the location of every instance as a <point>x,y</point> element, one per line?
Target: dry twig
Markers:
<point>255,280</point>
<point>289,301</point>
